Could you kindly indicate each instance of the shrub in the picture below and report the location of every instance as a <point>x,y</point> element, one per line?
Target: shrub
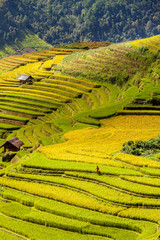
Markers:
<point>143,49</point>
<point>142,147</point>
<point>8,156</point>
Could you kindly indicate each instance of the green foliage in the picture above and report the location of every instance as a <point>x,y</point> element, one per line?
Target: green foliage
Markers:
<point>63,124</point>
<point>85,45</point>
<point>97,20</point>
<point>8,156</point>
<point>24,39</point>
<point>143,148</point>
<point>115,64</point>
<point>45,141</point>
<point>111,108</point>
<point>143,49</point>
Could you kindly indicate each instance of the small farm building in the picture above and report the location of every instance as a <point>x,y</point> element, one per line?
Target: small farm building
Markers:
<point>14,144</point>
<point>24,78</point>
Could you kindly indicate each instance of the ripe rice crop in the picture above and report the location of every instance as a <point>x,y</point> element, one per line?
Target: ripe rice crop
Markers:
<point>57,186</point>
<point>149,181</point>
<point>139,112</point>
<point>58,59</point>
<point>22,59</point>
<point>105,139</point>
<point>20,105</point>
<point>23,111</point>
<point>67,155</point>
<point>32,95</point>
<point>31,230</point>
<point>108,180</point>
<point>71,196</point>
<point>61,194</point>
<point>32,215</point>
<point>152,215</point>
<point>137,161</point>
<point>4,234</point>
<point>40,161</point>
<point>47,64</point>
<point>75,80</point>
<point>152,43</point>
<point>52,82</point>
<point>73,212</point>
<point>150,171</point>
<point>44,102</point>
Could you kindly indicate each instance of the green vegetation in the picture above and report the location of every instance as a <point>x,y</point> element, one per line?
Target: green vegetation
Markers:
<point>24,40</point>
<point>50,188</point>
<point>116,63</point>
<point>84,21</point>
<point>85,45</point>
<point>39,161</point>
<point>143,148</point>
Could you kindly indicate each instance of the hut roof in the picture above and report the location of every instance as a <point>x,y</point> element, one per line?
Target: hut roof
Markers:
<point>24,77</point>
<point>15,142</point>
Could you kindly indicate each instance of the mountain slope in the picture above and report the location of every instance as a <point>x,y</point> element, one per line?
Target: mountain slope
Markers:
<point>25,40</point>
<point>60,22</point>
<point>116,63</point>
<point>123,73</point>
<point>54,191</point>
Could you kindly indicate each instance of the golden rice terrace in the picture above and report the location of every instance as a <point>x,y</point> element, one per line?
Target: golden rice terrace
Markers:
<point>75,114</point>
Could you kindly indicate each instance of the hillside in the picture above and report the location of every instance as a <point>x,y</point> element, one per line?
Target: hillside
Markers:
<point>80,109</point>
<point>26,41</point>
<point>118,63</point>
<point>63,22</point>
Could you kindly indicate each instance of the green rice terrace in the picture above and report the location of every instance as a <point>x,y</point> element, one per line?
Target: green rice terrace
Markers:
<point>75,175</point>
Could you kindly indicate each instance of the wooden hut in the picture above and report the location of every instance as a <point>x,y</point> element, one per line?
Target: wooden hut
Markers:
<point>24,78</point>
<point>14,144</point>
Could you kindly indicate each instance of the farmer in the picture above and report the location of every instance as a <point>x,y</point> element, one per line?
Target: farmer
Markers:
<point>97,169</point>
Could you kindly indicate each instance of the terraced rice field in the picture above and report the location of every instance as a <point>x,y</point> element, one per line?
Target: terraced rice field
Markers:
<point>153,43</point>
<point>54,104</point>
<point>69,126</point>
<point>107,64</point>
<point>21,103</point>
<point>56,191</point>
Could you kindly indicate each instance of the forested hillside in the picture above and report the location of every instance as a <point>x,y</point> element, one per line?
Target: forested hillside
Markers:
<point>57,21</point>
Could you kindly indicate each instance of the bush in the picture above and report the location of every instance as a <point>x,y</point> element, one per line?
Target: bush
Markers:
<point>142,147</point>
<point>158,156</point>
<point>8,156</point>
<point>143,49</point>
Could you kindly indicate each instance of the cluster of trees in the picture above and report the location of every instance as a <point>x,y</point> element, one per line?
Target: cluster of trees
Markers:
<point>66,21</point>
<point>143,148</point>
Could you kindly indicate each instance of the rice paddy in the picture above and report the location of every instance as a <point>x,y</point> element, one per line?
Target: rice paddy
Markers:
<point>69,125</point>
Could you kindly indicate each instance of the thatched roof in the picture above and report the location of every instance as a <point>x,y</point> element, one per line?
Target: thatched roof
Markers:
<point>24,77</point>
<point>15,142</point>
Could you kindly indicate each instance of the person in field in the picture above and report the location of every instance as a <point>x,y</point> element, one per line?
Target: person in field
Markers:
<point>97,169</point>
